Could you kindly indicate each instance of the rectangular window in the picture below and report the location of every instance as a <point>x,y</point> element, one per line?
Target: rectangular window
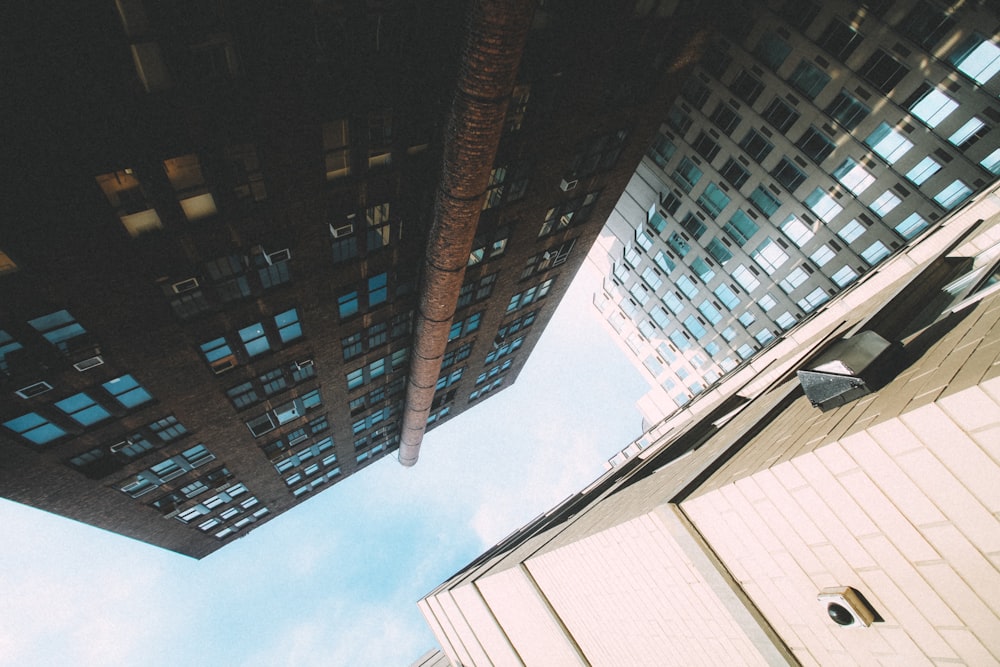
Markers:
<point>727,297</point>
<point>883,71</point>
<point>58,328</point>
<point>83,409</point>
<point>746,278</point>
<point>815,298</point>
<point>713,200</point>
<point>823,205</point>
<point>352,346</point>
<point>288,325</point>
<point>772,50</point>
<point>242,395</point>
<point>686,174</point>
<point>725,118</point>
<point>254,340</point>
<point>875,253</point>
<point>705,146</point>
<point>884,203</point>
<point>889,144</point>
<point>378,291</point>
<point>797,231</point>
<point>740,228</point>
<point>780,115</point>
<point>168,429</point>
<point>769,256</point>
<point>756,146</point>
<point>788,174</point>
<point>911,226</point>
<point>127,391</point>
<point>718,250</point>
<point>703,269</point>
<point>853,176</point>
<point>815,144</point>
<point>923,170</point>
<point>931,105</point>
<point>747,87</point>
<point>851,231</point>
<point>347,304</point>
<point>977,58</point>
<point>925,24</point>
<point>844,276</point>
<point>764,201</point>
<point>822,255</point>
<point>808,79</point>
<point>661,151</point>
<point>839,40</point>
<point>953,195</point>
<point>34,428</point>
<point>847,110</point>
<point>735,173</point>
<point>968,133</point>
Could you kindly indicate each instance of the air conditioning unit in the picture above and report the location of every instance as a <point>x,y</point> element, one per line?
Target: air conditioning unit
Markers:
<point>89,363</point>
<point>299,365</point>
<point>118,446</point>
<point>568,184</point>
<point>846,607</point>
<point>224,364</point>
<point>185,285</point>
<point>33,390</point>
<point>279,256</point>
<point>546,256</point>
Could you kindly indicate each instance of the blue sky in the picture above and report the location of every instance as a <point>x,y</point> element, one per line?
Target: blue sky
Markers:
<point>334,581</point>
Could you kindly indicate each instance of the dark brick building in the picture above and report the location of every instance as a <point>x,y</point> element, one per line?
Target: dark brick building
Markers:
<point>211,262</point>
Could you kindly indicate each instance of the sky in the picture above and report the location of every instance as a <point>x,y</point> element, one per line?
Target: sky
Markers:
<point>335,580</point>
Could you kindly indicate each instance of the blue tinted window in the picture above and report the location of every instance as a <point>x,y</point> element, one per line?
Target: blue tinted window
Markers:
<point>127,391</point>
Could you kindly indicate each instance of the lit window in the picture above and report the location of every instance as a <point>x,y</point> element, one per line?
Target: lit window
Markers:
<point>83,409</point>
<point>336,145</point>
<point>288,325</point>
<point>378,291</point>
<point>823,205</point>
<point>844,276</point>
<point>34,428</point>
<point>347,304</point>
<point>888,143</point>
<point>796,231</point>
<point>923,170</point>
<point>127,391</point>
<point>769,256</point>
<point>884,203</point>
<point>933,106</point>
<point>966,132</point>
<point>851,231</point>
<point>254,340</point>
<point>977,58</point>
<point>853,176</point>
<point>875,253</point>
<point>953,195</point>
<point>911,226</point>
<point>58,328</point>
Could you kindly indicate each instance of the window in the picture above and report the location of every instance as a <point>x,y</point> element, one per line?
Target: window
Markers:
<point>347,304</point>
<point>746,318</point>
<point>931,105</point>
<point>7,345</point>
<point>254,340</point>
<point>967,134</point>
<point>839,40</point>
<point>679,245</point>
<point>799,13</point>
<point>756,146</point>
<point>884,203</point>
<point>977,58</point>
<point>883,71</point>
<point>127,391</point>
<point>288,325</point>
<point>652,278</point>
<point>788,174</point>
<point>853,176</point>
<point>847,110</point>
<point>718,250</point>
<point>465,326</point>
<point>673,302</point>
<point>378,291</point>
<point>710,312</point>
<point>734,173</point>
<point>167,429</point>
<point>764,201</point>
<point>953,195</point>
<point>769,256</point>
<point>572,211</point>
<point>686,174</point>
<point>810,301</point>
<point>713,200</point>
<point>740,228</point>
<point>725,118</point>
<point>705,146</point>
<point>639,293</point>
<point>336,145</point>
<point>887,143</point>
<point>925,24</point>
<point>923,170</point>
<point>851,231</point>
<point>844,276</point>
<point>808,79</point>
<point>695,327</point>
<point>875,253</point>
<point>990,163</point>
<point>780,115</point>
<point>822,255</point>
<point>911,226</point>
<point>747,87</point>
<point>766,302</point>
<point>661,151</point>
<point>58,328</point>
<point>796,231</point>
<point>344,249</point>
<point>764,336</point>
<point>772,50</point>
<point>678,120</point>
<point>746,278</point>
<point>703,269</point>
<point>815,144</point>
<point>727,296</point>
<point>242,395</point>
<point>34,428</point>
<point>660,316</point>
<point>795,277</point>
<point>695,92</point>
<point>679,340</point>
<point>823,205</point>
<point>83,409</point>
<point>687,286</point>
